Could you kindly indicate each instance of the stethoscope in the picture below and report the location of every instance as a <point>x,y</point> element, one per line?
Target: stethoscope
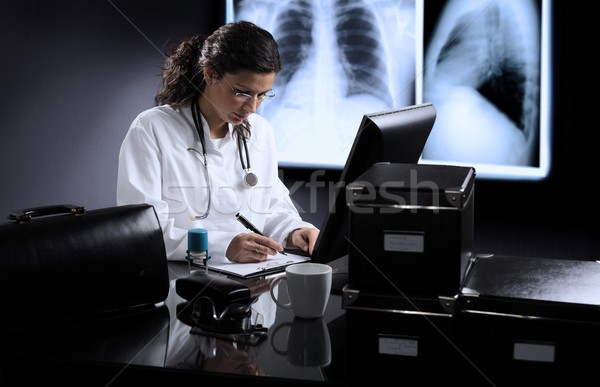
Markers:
<point>250,179</point>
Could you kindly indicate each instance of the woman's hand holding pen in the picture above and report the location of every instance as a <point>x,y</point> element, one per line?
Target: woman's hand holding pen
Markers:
<point>251,247</point>
<point>256,246</point>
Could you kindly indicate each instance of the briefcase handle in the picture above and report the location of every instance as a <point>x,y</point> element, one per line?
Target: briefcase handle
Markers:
<point>27,214</point>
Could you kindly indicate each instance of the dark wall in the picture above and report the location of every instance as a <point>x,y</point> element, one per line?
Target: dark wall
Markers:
<point>74,74</point>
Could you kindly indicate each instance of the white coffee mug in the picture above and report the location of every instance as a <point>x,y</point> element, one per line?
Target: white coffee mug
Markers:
<point>308,288</point>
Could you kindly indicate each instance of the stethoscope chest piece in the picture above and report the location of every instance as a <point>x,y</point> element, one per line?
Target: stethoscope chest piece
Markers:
<point>250,179</point>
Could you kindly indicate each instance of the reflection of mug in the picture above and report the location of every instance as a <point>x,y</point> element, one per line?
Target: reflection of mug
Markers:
<point>308,288</point>
<point>308,343</point>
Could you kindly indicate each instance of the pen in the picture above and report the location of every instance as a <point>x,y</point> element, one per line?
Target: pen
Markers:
<point>251,227</point>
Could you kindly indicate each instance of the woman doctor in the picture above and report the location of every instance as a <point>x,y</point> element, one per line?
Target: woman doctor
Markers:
<point>203,154</point>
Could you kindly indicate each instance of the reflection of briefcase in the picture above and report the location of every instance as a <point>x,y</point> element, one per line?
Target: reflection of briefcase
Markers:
<point>58,262</point>
<point>108,346</point>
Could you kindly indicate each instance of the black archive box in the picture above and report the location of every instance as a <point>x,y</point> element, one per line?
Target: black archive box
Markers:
<point>410,229</point>
<point>532,320</point>
<point>391,337</point>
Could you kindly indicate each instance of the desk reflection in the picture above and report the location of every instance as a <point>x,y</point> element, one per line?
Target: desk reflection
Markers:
<point>133,337</point>
<point>191,348</point>
<point>305,343</point>
<point>158,340</point>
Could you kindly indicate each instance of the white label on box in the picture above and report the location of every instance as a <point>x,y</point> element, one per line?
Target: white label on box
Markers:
<point>414,243</point>
<point>534,352</point>
<point>398,346</point>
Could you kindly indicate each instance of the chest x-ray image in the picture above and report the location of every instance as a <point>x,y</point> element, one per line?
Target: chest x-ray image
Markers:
<point>483,72</point>
<point>341,59</point>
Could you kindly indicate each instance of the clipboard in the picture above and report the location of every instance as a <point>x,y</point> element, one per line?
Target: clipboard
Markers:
<point>251,270</point>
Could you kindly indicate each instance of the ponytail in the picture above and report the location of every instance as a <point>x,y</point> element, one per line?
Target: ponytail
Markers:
<point>183,75</point>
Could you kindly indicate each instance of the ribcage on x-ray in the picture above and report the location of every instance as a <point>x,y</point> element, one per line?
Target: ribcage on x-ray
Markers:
<point>294,37</point>
<point>487,48</point>
<point>361,53</point>
<point>340,59</point>
<point>483,74</point>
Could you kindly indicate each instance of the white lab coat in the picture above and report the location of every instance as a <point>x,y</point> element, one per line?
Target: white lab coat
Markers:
<point>161,163</point>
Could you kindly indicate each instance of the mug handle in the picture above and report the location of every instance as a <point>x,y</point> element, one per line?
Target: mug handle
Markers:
<point>280,351</point>
<point>272,286</point>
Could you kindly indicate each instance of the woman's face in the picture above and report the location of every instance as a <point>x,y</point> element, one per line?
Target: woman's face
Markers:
<point>234,97</point>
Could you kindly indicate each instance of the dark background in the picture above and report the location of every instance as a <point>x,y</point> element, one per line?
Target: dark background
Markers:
<point>74,74</point>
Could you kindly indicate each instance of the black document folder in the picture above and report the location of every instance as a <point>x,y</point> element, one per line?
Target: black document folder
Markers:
<point>533,287</point>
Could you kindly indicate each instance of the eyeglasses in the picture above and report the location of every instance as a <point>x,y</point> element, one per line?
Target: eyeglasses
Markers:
<point>245,97</point>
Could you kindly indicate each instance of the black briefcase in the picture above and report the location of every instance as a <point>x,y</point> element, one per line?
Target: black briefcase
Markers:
<point>59,262</point>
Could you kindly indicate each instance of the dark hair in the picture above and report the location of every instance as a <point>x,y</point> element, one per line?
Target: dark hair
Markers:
<point>234,46</point>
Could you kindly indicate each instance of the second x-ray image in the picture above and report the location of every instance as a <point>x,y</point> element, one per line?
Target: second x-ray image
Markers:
<point>482,71</point>
<point>341,59</point>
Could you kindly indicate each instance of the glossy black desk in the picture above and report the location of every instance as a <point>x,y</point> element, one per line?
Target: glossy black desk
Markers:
<point>153,344</point>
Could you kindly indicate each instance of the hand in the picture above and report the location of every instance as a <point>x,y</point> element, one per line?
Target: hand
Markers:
<point>251,247</point>
<point>303,239</point>
<point>232,359</point>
